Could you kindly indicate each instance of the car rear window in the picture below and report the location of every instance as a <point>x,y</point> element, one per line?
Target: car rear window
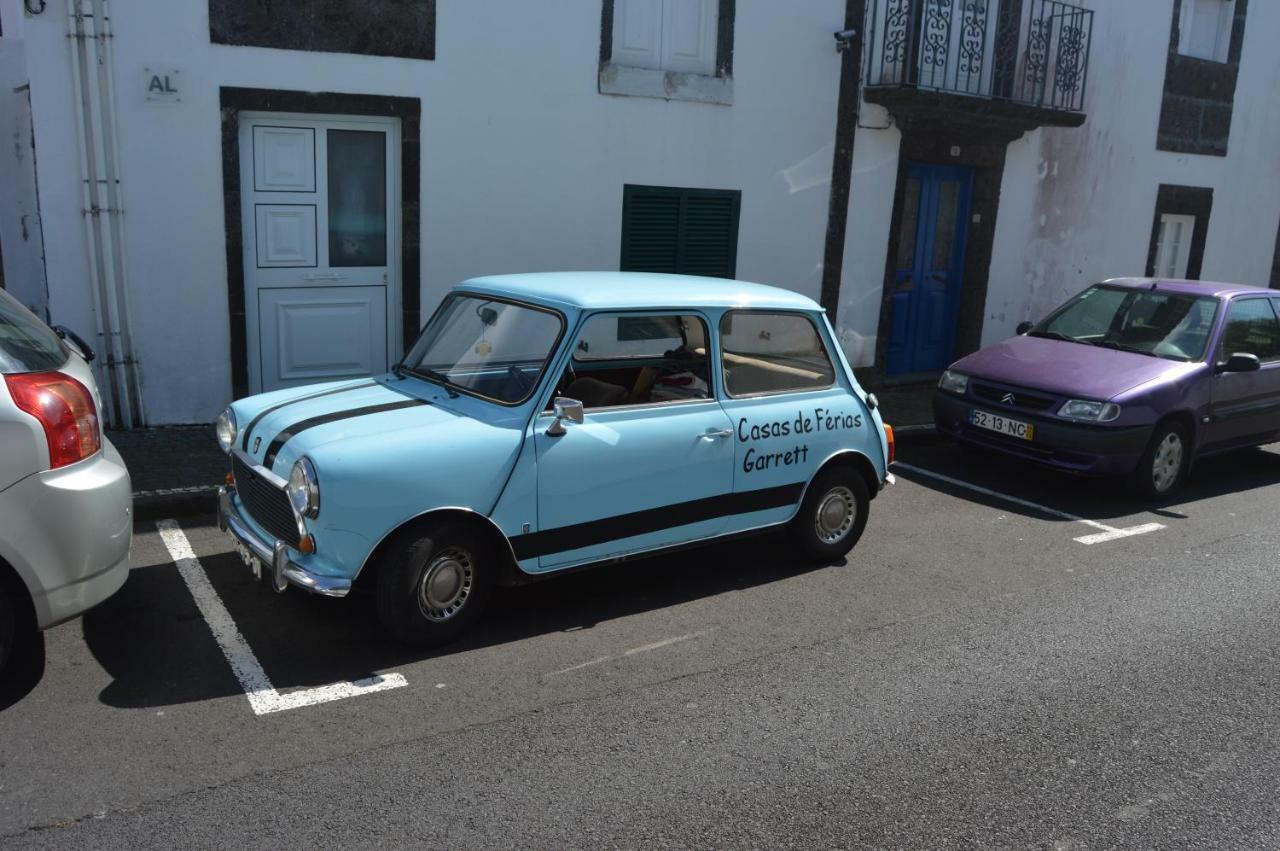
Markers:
<point>26,343</point>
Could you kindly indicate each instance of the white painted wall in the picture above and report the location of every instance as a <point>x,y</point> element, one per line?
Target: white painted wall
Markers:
<point>523,161</point>
<point>1077,203</point>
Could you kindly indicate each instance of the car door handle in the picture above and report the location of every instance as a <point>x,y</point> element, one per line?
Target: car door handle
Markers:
<point>714,433</point>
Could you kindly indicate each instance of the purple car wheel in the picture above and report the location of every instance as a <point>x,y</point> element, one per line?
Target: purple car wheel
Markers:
<point>1162,466</point>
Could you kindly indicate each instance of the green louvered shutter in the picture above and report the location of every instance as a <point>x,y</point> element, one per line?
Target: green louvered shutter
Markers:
<point>687,231</point>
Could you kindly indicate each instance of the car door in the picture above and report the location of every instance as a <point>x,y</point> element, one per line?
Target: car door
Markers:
<point>789,407</point>
<point>1245,406</point>
<point>651,461</point>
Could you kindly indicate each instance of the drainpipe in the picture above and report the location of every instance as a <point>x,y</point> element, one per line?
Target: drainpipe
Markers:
<point>90,35</point>
<point>842,161</point>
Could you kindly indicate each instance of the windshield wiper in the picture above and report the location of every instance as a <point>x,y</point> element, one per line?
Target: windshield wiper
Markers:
<point>435,377</point>
<point>1121,347</point>
<point>1054,335</point>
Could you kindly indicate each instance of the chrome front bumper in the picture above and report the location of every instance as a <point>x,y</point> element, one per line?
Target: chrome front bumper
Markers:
<point>274,555</point>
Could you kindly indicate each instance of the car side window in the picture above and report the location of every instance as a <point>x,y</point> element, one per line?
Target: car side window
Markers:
<point>769,352</point>
<point>638,359</point>
<point>1252,329</point>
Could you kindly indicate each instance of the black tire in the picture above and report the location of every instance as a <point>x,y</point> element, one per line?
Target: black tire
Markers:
<point>835,484</point>
<point>8,627</point>
<point>1159,473</point>
<point>459,563</point>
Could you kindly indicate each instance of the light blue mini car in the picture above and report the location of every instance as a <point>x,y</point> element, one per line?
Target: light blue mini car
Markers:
<point>546,422</point>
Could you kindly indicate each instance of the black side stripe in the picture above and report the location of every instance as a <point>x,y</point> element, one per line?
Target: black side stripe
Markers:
<point>607,529</point>
<point>254,422</point>
<point>297,428</point>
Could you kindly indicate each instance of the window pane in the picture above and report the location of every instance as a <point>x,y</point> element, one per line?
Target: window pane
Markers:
<point>772,353</point>
<point>1163,324</point>
<point>357,198</point>
<point>638,360</point>
<point>910,224</point>
<point>1251,329</point>
<point>944,237</point>
<point>492,348</point>
<point>26,343</point>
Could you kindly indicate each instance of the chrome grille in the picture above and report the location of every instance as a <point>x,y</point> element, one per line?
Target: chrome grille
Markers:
<point>267,504</point>
<point>1020,398</point>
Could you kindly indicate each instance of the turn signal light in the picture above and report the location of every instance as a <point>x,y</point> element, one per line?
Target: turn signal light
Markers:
<point>231,479</point>
<point>888,436</point>
<point>307,545</point>
<point>65,410</point>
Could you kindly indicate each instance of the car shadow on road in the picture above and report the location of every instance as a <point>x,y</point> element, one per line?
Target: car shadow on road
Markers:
<point>1099,499</point>
<point>152,640</point>
<point>25,670</point>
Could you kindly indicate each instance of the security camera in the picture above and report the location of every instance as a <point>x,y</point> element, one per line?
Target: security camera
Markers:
<point>844,38</point>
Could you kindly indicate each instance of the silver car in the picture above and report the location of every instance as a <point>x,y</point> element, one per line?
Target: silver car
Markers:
<point>65,495</point>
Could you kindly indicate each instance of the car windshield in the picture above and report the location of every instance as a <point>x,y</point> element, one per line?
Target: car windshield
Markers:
<point>487,347</point>
<point>1147,321</point>
<point>26,343</point>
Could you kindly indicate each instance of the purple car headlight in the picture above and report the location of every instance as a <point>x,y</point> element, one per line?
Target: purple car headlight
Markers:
<point>953,382</point>
<point>1088,411</point>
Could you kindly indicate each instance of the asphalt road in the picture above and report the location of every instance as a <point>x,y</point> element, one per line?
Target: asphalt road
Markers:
<point>974,675</point>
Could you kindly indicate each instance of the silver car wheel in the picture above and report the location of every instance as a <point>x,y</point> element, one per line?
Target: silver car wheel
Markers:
<point>837,511</point>
<point>1166,464</point>
<point>446,584</point>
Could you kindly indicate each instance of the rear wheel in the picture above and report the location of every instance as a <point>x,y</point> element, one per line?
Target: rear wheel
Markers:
<point>8,627</point>
<point>833,514</point>
<point>1164,464</point>
<point>435,584</point>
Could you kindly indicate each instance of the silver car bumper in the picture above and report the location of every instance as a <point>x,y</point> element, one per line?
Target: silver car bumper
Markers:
<point>274,555</point>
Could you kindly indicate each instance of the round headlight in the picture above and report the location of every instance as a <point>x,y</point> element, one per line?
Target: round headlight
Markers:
<point>304,488</point>
<point>227,430</point>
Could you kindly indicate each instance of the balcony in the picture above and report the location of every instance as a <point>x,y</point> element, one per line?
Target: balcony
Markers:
<point>982,68</point>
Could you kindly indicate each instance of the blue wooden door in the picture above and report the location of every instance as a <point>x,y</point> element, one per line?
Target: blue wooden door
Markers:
<point>928,268</point>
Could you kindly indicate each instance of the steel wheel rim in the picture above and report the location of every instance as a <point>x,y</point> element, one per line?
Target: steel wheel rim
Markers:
<point>1167,462</point>
<point>446,584</point>
<point>837,510</point>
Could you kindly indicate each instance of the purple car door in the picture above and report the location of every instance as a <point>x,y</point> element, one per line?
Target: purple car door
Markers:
<point>1246,405</point>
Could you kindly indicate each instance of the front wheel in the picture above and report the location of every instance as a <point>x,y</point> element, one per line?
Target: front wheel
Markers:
<point>832,515</point>
<point>433,586</point>
<point>1164,464</point>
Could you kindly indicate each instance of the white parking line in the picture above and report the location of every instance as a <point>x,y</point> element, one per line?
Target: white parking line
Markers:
<point>1106,533</point>
<point>263,697</point>
<point>643,648</point>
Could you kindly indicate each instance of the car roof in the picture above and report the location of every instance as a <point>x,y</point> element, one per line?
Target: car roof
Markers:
<point>1181,285</point>
<point>624,290</point>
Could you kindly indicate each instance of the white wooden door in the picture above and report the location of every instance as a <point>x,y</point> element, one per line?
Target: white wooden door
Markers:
<point>319,199</point>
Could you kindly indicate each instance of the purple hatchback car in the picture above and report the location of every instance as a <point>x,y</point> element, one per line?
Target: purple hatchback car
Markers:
<point>1133,376</point>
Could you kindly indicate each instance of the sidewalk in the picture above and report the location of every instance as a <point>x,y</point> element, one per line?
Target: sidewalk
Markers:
<point>176,470</point>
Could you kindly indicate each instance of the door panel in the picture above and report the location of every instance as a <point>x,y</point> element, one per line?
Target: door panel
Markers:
<point>630,474</point>
<point>1245,406</point>
<point>286,234</point>
<point>319,200</point>
<point>284,159</point>
<point>929,268</point>
<point>322,333</point>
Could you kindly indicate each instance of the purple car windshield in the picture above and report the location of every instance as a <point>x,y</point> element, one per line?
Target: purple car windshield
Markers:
<point>1150,322</point>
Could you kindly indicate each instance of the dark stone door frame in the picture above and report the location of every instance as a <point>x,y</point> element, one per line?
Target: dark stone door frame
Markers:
<point>233,101</point>
<point>987,160</point>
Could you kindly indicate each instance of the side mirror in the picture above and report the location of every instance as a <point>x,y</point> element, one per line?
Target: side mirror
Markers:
<point>1024,327</point>
<point>64,332</point>
<point>567,410</point>
<point>1240,362</point>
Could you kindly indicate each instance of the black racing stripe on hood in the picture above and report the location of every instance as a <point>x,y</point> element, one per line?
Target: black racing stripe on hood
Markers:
<point>244,445</point>
<point>297,428</point>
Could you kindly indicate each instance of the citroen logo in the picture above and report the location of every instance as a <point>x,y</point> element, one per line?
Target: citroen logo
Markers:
<point>257,441</point>
<point>1006,398</point>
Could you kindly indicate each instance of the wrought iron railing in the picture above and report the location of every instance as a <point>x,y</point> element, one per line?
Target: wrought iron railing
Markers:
<point>1033,52</point>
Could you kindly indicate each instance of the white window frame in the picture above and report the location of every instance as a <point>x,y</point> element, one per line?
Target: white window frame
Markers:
<point>653,65</point>
<point>1172,260</point>
<point>1222,40</point>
